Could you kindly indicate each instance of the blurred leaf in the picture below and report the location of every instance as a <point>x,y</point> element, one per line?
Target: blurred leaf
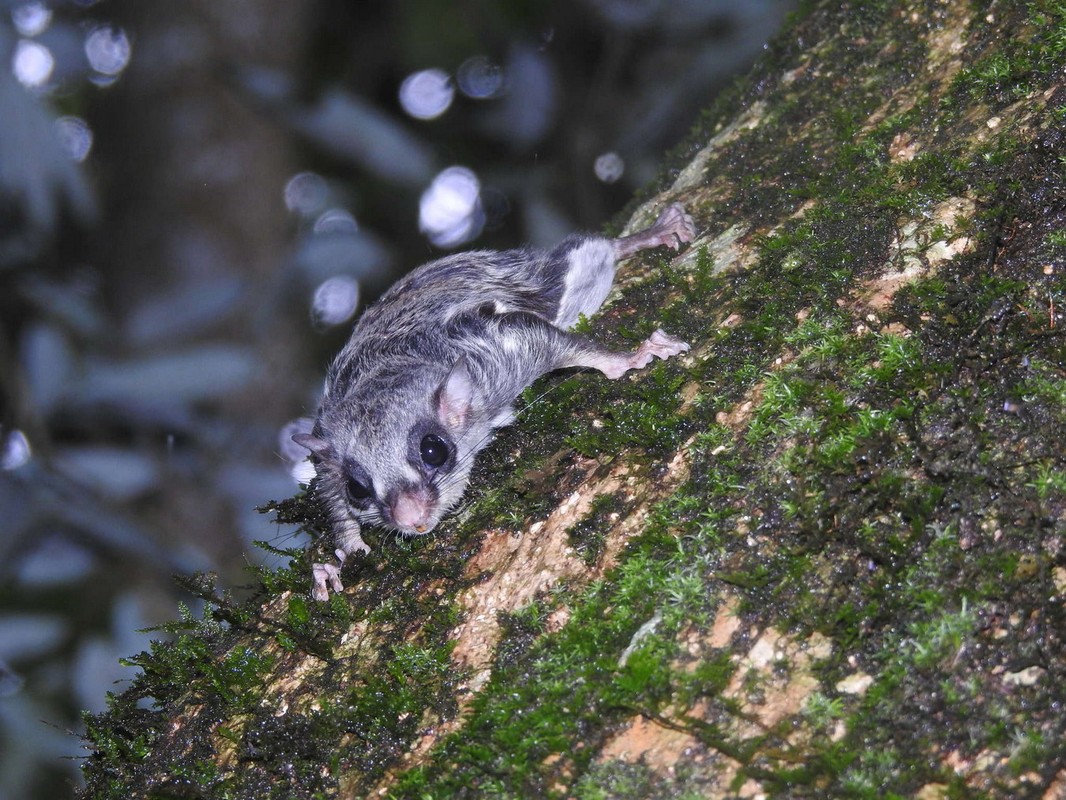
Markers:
<point>53,560</point>
<point>10,681</point>
<point>196,375</point>
<point>36,499</point>
<point>37,178</point>
<point>350,128</point>
<point>248,487</point>
<point>528,109</point>
<point>29,745</point>
<point>185,312</point>
<point>18,513</point>
<point>98,664</point>
<point>345,126</point>
<point>27,636</point>
<point>69,303</point>
<point>49,365</point>
<point>115,473</point>
<point>66,42</point>
<point>323,255</point>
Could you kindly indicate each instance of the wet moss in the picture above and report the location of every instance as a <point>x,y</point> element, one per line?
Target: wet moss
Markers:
<point>589,534</point>
<point>1014,68</point>
<point>562,687</point>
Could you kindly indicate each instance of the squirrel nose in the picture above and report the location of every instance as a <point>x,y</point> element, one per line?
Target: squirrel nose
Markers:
<point>413,510</point>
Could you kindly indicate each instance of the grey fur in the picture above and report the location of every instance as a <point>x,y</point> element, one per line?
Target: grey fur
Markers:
<point>444,353</point>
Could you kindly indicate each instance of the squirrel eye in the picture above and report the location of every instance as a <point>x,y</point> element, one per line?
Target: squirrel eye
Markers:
<point>434,450</point>
<point>358,491</point>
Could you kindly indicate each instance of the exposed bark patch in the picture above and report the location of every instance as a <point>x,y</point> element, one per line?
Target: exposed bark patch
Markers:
<point>696,643</point>
<point>511,571</point>
<point>780,666</point>
<point>919,248</point>
<point>692,175</point>
<point>726,251</point>
<point>514,570</point>
<point>738,416</point>
<point>656,747</point>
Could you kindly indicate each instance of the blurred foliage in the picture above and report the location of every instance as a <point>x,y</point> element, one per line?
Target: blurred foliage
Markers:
<point>176,183</point>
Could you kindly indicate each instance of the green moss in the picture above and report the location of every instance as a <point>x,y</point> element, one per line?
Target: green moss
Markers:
<point>836,433</point>
<point>575,675</point>
<point>1036,49</point>
<point>618,780</point>
<point>588,535</point>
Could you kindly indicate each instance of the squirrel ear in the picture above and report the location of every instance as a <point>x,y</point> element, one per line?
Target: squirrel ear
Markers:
<point>455,397</point>
<point>320,447</point>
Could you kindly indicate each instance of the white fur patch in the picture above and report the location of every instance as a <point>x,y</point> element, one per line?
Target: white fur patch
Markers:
<point>588,280</point>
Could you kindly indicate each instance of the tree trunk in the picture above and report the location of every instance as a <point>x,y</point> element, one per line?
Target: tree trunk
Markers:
<point>195,211</point>
<point>822,555</point>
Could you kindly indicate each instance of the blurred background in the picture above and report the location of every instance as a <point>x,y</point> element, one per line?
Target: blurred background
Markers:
<point>196,199</point>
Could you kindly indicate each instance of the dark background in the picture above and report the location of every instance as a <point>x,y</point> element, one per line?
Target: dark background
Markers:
<point>191,194</point>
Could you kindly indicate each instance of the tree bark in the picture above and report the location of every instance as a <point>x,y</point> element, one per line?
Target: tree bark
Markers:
<point>822,555</point>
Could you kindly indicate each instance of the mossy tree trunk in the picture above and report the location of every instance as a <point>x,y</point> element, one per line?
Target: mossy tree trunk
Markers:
<point>821,555</point>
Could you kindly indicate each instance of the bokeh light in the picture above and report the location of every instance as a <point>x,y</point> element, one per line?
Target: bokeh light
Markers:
<point>31,19</point>
<point>75,136</point>
<point>450,210</point>
<point>335,301</point>
<point>609,167</point>
<point>427,94</point>
<point>480,78</point>
<point>33,63</point>
<point>336,220</point>
<point>14,450</point>
<point>108,50</point>
<point>306,193</point>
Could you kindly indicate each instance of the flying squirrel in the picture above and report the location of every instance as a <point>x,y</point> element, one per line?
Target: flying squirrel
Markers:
<point>435,365</point>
